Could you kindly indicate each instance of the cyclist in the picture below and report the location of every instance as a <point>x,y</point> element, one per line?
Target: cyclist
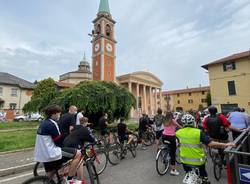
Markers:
<point>143,126</point>
<point>159,127</point>
<point>48,145</point>
<point>77,138</point>
<point>170,126</point>
<point>67,121</point>
<point>192,152</point>
<point>103,124</point>
<point>215,125</point>
<point>238,120</point>
<point>124,133</point>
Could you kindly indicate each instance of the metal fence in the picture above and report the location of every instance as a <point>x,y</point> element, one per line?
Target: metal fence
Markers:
<point>238,160</point>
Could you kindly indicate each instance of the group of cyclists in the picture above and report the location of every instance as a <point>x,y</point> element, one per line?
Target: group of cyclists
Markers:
<point>60,138</point>
<point>213,133</point>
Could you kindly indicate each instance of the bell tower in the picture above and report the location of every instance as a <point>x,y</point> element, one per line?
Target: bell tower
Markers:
<point>103,44</point>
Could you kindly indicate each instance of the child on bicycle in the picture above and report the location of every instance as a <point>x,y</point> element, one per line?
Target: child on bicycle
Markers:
<point>170,126</point>
<point>124,133</point>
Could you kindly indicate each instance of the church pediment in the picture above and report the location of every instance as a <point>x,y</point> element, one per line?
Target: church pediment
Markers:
<point>140,76</point>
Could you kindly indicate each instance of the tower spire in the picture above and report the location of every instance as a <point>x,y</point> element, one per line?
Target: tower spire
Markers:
<point>104,6</point>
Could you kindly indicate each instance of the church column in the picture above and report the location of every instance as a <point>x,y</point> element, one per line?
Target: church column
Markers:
<point>161,102</point>
<point>145,100</point>
<point>130,87</point>
<point>156,105</point>
<point>150,100</point>
<point>137,98</point>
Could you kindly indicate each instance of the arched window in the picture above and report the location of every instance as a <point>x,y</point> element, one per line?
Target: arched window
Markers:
<point>98,29</point>
<point>108,30</point>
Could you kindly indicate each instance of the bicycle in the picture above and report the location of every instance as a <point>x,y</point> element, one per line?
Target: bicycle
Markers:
<point>112,149</point>
<point>163,159</point>
<point>59,175</point>
<point>100,162</point>
<point>217,163</point>
<point>149,137</point>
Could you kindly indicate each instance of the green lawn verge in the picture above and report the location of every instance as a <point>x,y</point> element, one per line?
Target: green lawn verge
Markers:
<point>17,125</point>
<point>132,125</point>
<point>10,141</point>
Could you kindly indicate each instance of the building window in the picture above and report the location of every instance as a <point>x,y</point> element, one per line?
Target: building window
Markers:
<point>204,100</point>
<point>203,92</point>
<point>1,91</point>
<point>190,94</point>
<point>231,88</point>
<point>190,101</point>
<point>12,106</point>
<point>96,63</point>
<point>14,92</point>
<point>178,95</point>
<point>229,66</point>
<point>178,102</point>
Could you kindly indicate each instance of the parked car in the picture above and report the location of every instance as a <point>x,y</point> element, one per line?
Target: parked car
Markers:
<point>29,117</point>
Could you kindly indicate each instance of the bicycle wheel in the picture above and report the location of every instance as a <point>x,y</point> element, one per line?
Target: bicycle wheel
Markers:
<point>149,138</point>
<point>114,153</point>
<point>92,177</point>
<point>210,152</point>
<point>135,140</point>
<point>177,156</point>
<point>39,180</point>
<point>162,161</point>
<point>217,164</point>
<point>101,161</point>
<point>39,169</point>
<point>132,149</point>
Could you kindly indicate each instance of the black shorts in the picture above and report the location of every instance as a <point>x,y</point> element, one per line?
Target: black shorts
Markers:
<point>67,154</point>
<point>123,138</point>
<point>158,134</point>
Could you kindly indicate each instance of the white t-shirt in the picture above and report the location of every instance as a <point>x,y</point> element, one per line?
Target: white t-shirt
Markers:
<point>78,117</point>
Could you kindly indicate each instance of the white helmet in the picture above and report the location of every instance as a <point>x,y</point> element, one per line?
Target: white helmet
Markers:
<point>188,119</point>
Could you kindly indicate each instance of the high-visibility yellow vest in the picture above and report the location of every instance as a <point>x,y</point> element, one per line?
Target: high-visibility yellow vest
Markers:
<point>191,149</point>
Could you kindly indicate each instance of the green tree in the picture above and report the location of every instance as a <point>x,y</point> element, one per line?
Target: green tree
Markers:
<point>43,93</point>
<point>209,99</point>
<point>96,97</point>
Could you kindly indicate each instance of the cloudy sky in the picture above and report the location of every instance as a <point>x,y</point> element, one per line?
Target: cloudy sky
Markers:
<point>170,38</point>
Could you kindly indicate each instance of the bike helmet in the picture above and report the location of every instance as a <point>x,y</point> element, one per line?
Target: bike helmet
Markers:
<point>188,119</point>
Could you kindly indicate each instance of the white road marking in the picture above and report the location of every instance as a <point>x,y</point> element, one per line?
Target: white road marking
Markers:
<point>20,176</point>
<point>16,177</point>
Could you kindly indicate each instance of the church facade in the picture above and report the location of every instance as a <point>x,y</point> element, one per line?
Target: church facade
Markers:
<point>145,86</point>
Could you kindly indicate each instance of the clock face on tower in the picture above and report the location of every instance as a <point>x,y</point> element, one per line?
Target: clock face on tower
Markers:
<point>109,47</point>
<point>97,47</point>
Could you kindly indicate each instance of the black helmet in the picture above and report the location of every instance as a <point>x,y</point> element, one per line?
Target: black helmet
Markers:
<point>212,110</point>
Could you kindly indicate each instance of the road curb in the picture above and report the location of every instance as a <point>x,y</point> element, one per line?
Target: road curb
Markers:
<point>16,151</point>
<point>16,169</point>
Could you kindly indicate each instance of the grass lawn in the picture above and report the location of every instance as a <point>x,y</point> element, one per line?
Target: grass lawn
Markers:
<point>17,140</point>
<point>132,125</point>
<point>17,125</point>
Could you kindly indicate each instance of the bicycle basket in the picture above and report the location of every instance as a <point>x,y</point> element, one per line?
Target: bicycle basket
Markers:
<point>191,178</point>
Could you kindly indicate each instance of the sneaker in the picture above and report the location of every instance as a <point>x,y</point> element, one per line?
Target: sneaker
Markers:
<point>174,172</point>
<point>143,148</point>
<point>79,181</point>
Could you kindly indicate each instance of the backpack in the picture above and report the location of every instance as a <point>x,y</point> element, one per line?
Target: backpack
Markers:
<point>216,130</point>
<point>159,120</point>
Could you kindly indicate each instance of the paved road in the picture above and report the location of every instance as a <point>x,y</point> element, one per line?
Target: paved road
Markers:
<point>140,170</point>
<point>16,159</point>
